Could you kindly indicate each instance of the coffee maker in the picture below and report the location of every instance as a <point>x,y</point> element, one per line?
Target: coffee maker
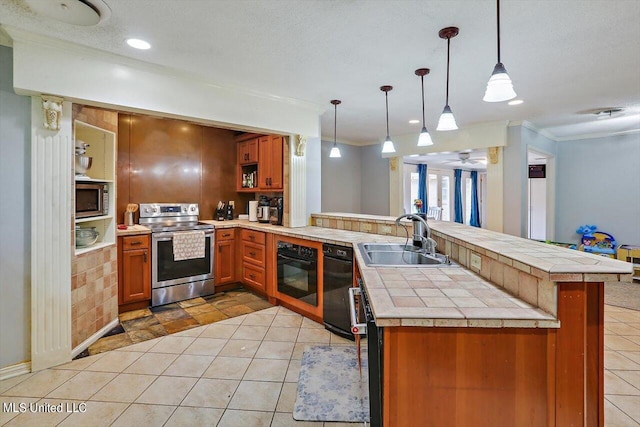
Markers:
<point>275,210</point>
<point>263,209</point>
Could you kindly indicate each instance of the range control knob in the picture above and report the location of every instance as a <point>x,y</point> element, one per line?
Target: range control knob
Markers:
<point>192,208</point>
<point>155,210</point>
<point>147,210</point>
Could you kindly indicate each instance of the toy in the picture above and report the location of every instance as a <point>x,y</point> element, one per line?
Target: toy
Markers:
<point>597,242</point>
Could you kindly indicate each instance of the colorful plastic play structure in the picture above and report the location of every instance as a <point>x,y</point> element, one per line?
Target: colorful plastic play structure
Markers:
<point>597,242</point>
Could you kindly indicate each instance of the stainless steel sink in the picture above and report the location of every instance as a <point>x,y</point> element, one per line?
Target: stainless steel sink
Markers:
<point>394,255</point>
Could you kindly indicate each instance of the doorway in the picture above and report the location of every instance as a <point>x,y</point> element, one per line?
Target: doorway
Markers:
<point>538,184</point>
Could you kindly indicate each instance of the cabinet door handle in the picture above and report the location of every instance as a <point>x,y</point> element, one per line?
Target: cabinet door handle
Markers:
<point>145,257</point>
<point>252,253</point>
<point>136,243</point>
<point>219,248</point>
<point>252,276</point>
<point>226,235</point>
<point>252,237</point>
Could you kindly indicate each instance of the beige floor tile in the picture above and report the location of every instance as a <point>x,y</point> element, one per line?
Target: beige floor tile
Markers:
<point>233,418</point>
<point>278,333</point>
<point>218,331</point>
<point>97,414</point>
<point>141,346</point>
<point>267,370</point>
<point>211,393</point>
<point>616,342</point>
<point>287,321</point>
<point>80,364</point>
<point>151,363</point>
<point>187,365</point>
<point>12,382</point>
<point>167,390</point>
<point>314,335</point>
<point>115,361</point>
<point>193,332</point>
<point>614,417</point>
<point>614,360</point>
<point>245,332</point>
<point>631,355</point>
<point>41,383</point>
<point>233,320</point>
<point>172,344</point>
<point>633,338</point>
<point>259,318</point>
<point>616,383</point>
<point>298,349</point>
<point>621,329</point>
<point>124,388</point>
<point>338,340</point>
<point>144,415</point>
<point>82,386</point>
<point>293,372</point>
<point>630,405</point>
<point>240,348</point>
<point>308,323</point>
<point>256,396</point>
<point>228,368</point>
<point>38,416</point>
<point>627,317</point>
<point>631,377</point>
<point>275,350</point>
<point>285,419</point>
<point>192,417</point>
<point>206,346</point>
<point>287,397</point>
<point>14,409</point>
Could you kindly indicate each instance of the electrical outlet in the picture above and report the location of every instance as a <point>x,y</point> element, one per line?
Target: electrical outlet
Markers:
<point>475,261</point>
<point>232,204</point>
<point>365,226</point>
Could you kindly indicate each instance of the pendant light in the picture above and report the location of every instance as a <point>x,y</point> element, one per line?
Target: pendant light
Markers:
<point>499,87</point>
<point>335,151</point>
<point>424,139</point>
<point>387,147</point>
<point>447,121</point>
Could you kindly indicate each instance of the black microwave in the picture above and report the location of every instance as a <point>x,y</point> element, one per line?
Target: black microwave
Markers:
<point>92,199</point>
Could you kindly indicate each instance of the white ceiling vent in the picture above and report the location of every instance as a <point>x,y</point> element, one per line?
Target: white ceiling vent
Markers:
<point>75,12</point>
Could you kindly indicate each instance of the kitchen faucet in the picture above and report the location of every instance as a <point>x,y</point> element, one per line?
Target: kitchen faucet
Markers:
<point>427,243</point>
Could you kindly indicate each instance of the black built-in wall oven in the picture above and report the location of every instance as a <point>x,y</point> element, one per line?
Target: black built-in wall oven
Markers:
<point>298,272</point>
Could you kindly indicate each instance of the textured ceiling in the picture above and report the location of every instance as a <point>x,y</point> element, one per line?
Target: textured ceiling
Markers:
<point>563,56</point>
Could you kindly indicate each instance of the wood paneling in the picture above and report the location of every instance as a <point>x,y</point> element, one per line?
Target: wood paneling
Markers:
<point>167,160</point>
<point>465,377</point>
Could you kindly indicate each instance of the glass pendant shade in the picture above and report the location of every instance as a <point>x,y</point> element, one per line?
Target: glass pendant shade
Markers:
<point>447,121</point>
<point>388,146</point>
<point>335,151</point>
<point>424,139</point>
<point>499,87</point>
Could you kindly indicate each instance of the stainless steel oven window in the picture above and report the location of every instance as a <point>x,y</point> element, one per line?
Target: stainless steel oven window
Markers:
<point>167,272</point>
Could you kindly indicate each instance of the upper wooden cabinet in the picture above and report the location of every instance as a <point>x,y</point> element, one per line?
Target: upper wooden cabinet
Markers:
<point>260,163</point>
<point>270,162</point>
<point>248,151</point>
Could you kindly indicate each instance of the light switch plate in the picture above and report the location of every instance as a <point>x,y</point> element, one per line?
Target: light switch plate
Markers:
<point>232,204</point>
<point>475,261</point>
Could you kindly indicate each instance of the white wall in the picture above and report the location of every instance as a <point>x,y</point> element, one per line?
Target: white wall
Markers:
<point>598,182</point>
<point>341,179</point>
<point>15,218</point>
<point>374,196</point>
<point>314,172</point>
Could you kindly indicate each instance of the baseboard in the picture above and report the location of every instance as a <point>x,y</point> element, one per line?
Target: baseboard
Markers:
<point>15,370</point>
<point>93,338</point>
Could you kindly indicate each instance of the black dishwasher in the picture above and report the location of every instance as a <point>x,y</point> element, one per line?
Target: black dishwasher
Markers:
<point>337,279</point>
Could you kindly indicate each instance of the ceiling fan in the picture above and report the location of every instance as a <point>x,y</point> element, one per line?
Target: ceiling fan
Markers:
<point>465,158</point>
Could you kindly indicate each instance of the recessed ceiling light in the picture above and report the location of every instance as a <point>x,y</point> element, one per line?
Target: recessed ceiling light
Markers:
<point>515,102</point>
<point>138,44</point>
<point>414,121</point>
<point>414,155</point>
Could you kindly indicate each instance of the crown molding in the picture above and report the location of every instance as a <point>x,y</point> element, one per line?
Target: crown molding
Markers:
<point>597,135</point>
<point>18,35</point>
<point>527,124</point>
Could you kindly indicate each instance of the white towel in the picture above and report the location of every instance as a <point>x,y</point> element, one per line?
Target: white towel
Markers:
<point>188,245</point>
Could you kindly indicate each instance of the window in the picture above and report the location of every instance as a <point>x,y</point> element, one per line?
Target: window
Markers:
<point>467,198</point>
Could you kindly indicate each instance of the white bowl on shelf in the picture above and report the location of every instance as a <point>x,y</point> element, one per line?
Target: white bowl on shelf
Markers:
<point>86,236</point>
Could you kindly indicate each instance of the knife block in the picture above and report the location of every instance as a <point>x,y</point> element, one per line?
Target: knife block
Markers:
<point>220,214</point>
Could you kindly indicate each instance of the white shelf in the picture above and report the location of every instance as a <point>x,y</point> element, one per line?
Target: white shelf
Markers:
<point>95,246</point>
<point>88,179</point>
<point>93,218</point>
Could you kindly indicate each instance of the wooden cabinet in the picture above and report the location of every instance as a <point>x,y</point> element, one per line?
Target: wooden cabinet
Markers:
<point>253,259</point>
<point>248,151</point>
<point>225,257</point>
<point>260,163</point>
<point>134,270</point>
<point>270,162</point>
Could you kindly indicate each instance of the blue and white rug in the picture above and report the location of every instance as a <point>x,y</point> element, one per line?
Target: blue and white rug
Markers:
<point>330,387</point>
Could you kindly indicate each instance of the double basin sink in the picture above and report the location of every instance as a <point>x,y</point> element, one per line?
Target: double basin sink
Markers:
<point>395,255</point>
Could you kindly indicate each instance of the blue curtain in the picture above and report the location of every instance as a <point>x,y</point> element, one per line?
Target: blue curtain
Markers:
<point>422,186</point>
<point>475,209</point>
<point>457,175</point>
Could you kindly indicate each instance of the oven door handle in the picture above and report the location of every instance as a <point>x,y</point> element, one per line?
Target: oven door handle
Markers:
<point>168,235</point>
<point>356,328</point>
<point>302,261</point>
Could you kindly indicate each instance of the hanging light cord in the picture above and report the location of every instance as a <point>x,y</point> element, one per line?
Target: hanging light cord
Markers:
<point>498,3</point>
<point>386,101</point>
<point>448,54</point>
<point>335,121</point>
<point>422,82</point>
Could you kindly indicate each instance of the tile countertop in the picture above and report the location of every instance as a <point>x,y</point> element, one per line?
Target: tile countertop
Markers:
<point>421,296</point>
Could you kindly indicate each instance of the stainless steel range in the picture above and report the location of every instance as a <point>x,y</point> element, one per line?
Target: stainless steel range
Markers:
<point>181,275</point>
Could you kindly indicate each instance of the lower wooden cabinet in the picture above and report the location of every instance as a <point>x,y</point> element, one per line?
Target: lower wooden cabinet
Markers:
<point>225,256</point>
<point>134,269</point>
<point>253,260</point>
